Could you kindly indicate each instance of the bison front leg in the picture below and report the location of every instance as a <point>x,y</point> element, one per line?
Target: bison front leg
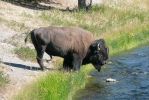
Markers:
<point>40,53</point>
<point>77,62</point>
<point>67,64</point>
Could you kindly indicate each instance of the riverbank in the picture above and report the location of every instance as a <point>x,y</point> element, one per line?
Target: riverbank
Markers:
<point>123,29</point>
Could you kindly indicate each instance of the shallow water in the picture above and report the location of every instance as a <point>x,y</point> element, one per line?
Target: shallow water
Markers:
<point>131,70</point>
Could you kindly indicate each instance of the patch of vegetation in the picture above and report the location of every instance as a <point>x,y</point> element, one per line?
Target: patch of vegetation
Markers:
<point>99,20</point>
<point>26,53</point>
<point>25,14</point>
<point>3,79</point>
<point>16,26</point>
<point>126,38</point>
<point>58,62</point>
<point>56,85</point>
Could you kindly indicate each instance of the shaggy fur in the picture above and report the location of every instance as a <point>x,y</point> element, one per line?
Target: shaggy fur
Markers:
<point>77,46</point>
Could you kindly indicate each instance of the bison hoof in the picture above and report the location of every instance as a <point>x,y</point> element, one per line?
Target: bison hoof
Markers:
<point>43,68</point>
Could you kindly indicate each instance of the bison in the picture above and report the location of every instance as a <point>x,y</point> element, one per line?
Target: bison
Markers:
<point>76,45</point>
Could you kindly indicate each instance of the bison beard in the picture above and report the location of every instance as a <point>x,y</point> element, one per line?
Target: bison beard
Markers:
<point>77,46</point>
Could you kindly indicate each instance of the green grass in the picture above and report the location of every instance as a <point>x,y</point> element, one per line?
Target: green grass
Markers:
<point>122,28</point>
<point>57,85</point>
<point>126,40</point>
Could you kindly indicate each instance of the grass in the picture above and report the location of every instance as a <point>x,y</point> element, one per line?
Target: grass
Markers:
<point>123,27</point>
<point>16,26</point>
<point>99,20</point>
<point>26,53</point>
<point>62,86</point>
<point>125,39</point>
<point>3,79</point>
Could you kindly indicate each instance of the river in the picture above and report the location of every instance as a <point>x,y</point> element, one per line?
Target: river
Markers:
<point>130,69</point>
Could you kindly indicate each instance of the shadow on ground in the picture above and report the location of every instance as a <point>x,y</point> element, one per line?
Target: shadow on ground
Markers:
<point>47,4</point>
<point>31,4</point>
<point>25,66</point>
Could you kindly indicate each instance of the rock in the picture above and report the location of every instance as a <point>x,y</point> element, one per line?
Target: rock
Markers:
<point>110,80</point>
<point>109,62</point>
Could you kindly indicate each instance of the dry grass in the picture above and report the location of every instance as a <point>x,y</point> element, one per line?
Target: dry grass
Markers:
<point>128,4</point>
<point>3,77</point>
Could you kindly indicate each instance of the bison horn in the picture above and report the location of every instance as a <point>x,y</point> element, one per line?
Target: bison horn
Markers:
<point>98,47</point>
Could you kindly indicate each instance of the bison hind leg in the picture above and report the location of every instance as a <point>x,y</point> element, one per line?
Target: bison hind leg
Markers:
<point>49,55</point>
<point>40,53</point>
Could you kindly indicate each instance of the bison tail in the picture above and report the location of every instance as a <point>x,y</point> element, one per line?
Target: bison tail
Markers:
<point>26,38</point>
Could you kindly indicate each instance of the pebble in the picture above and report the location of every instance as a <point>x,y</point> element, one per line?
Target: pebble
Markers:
<point>110,80</point>
<point>109,62</point>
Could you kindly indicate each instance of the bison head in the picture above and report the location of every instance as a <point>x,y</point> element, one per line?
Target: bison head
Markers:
<point>99,53</point>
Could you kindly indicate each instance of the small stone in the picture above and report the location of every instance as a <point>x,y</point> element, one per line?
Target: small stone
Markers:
<point>109,62</point>
<point>110,80</point>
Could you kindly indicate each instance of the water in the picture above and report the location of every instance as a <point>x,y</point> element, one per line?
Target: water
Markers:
<point>131,70</point>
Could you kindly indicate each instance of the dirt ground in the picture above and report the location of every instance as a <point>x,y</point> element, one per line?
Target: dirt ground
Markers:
<point>19,72</point>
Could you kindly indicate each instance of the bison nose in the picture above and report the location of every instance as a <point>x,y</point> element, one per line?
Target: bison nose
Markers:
<point>98,70</point>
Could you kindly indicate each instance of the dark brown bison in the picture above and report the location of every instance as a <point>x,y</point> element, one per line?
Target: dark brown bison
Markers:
<point>77,46</point>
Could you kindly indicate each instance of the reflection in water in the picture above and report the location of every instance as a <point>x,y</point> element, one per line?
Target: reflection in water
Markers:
<point>130,69</point>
